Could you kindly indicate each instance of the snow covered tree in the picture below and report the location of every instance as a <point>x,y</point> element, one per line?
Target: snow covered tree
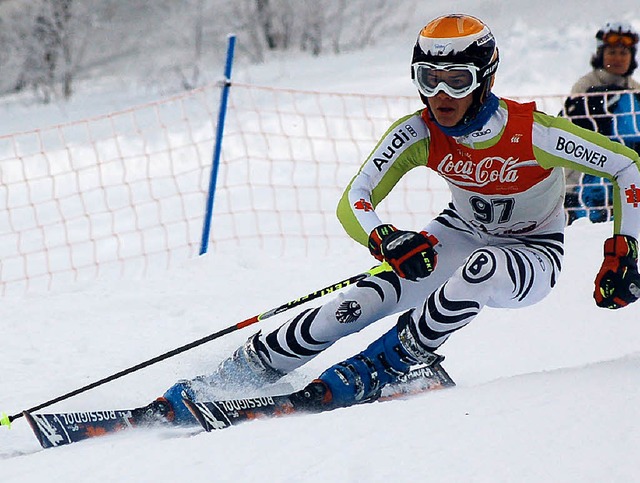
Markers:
<point>49,44</point>
<point>51,35</point>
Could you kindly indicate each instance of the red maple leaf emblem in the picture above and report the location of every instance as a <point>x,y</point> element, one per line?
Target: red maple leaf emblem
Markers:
<point>633,195</point>
<point>362,204</point>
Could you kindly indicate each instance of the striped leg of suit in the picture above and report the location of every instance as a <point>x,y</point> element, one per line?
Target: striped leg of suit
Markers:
<point>510,275</point>
<point>312,331</point>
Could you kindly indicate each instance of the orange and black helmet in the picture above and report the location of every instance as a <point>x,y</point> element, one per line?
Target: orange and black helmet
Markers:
<point>458,40</point>
<point>456,54</point>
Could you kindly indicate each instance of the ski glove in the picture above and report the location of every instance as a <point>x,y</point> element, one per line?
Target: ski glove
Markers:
<point>618,283</point>
<point>410,254</point>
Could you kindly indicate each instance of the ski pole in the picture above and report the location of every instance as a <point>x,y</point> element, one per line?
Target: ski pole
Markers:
<point>6,420</point>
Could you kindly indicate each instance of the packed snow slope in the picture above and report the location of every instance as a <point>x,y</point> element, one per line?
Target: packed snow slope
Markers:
<point>546,393</point>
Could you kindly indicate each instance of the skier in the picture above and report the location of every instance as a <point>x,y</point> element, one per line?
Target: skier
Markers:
<point>613,62</point>
<point>499,242</point>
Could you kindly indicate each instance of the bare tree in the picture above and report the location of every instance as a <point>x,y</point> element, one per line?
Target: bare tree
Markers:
<point>51,34</point>
<point>371,22</point>
<point>313,18</point>
<point>265,19</point>
<point>49,44</point>
<point>316,25</point>
<point>184,24</point>
<point>335,20</point>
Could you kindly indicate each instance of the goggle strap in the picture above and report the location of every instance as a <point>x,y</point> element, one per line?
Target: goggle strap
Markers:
<point>488,70</point>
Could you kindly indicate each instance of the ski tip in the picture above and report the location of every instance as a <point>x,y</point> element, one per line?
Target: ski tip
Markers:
<point>32,423</point>
<point>5,420</point>
<point>34,427</point>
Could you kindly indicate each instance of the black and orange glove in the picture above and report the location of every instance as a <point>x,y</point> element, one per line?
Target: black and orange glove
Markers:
<point>618,282</point>
<point>410,254</point>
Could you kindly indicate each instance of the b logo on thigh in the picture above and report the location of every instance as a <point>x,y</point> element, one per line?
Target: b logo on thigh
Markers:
<point>480,266</point>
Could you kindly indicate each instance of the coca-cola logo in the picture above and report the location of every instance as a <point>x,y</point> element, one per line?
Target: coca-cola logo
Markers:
<point>492,169</point>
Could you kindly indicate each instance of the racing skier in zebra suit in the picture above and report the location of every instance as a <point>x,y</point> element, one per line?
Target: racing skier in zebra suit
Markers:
<point>498,243</point>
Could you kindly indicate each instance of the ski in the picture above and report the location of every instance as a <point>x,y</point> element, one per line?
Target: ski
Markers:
<point>216,415</point>
<point>418,380</point>
<point>59,429</point>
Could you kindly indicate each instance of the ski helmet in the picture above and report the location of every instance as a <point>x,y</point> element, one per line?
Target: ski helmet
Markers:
<point>451,42</point>
<point>616,34</point>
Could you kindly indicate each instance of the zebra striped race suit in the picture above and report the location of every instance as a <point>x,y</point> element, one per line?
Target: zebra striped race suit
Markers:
<point>500,237</point>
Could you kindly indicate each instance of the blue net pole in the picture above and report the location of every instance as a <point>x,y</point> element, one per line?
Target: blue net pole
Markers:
<point>206,229</point>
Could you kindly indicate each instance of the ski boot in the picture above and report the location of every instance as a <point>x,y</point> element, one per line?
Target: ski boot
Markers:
<point>158,412</point>
<point>245,369</point>
<point>361,378</point>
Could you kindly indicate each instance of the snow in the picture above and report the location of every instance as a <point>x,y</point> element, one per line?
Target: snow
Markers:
<point>545,393</point>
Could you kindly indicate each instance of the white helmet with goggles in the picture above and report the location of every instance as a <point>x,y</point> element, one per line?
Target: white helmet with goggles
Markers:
<point>616,34</point>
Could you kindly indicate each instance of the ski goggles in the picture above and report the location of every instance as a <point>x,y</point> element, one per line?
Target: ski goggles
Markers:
<point>457,80</point>
<point>625,40</point>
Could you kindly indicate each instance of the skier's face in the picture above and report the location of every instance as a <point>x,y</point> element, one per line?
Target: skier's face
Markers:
<point>447,110</point>
<point>616,60</point>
